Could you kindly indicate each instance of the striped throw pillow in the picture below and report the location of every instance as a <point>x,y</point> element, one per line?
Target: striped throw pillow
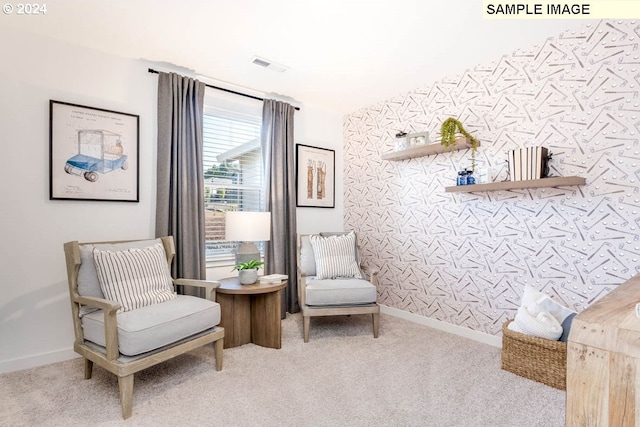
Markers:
<point>335,256</point>
<point>134,277</point>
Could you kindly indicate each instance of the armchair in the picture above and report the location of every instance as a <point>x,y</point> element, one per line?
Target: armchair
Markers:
<point>126,316</point>
<point>331,280</point>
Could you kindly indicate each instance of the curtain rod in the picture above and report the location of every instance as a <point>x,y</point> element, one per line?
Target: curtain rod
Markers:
<point>151,70</point>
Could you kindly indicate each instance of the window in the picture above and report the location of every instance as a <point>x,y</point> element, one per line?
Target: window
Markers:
<point>233,177</point>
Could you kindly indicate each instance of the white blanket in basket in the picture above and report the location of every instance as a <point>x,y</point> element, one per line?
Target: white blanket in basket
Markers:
<point>539,315</point>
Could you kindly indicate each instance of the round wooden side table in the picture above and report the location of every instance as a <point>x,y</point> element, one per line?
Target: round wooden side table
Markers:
<point>250,313</point>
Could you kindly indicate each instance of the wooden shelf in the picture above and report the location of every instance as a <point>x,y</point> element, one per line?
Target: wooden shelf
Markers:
<point>562,181</point>
<point>426,150</point>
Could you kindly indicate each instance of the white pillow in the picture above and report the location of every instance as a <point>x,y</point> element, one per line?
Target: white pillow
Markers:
<point>535,301</point>
<point>335,256</point>
<point>541,316</point>
<point>134,277</point>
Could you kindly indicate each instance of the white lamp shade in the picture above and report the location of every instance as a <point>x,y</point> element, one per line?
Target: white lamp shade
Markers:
<point>248,226</point>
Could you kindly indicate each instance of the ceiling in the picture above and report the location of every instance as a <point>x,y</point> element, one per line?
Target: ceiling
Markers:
<point>342,54</point>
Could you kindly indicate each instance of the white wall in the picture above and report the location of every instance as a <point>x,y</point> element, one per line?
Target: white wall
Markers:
<point>320,128</point>
<point>35,320</point>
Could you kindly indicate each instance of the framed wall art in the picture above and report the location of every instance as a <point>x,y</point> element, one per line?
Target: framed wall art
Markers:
<point>315,177</point>
<point>93,153</point>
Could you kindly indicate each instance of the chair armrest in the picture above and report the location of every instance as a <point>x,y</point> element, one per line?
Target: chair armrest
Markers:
<point>370,273</point>
<point>101,303</point>
<point>302,279</point>
<point>302,286</point>
<point>301,272</point>
<point>109,309</point>
<point>209,285</point>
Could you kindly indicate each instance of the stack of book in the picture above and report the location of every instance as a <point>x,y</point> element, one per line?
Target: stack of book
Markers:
<point>273,278</point>
<point>527,163</point>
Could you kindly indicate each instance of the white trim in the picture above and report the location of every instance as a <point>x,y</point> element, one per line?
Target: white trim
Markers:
<point>36,360</point>
<point>443,326</point>
<point>68,353</point>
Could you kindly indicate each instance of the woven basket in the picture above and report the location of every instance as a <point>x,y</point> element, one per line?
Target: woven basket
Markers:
<point>534,358</point>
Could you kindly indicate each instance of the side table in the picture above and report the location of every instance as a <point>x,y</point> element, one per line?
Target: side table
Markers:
<point>250,313</point>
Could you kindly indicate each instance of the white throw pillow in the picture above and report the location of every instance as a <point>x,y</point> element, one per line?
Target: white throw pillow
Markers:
<point>134,277</point>
<point>335,256</point>
<point>536,301</point>
<point>541,316</point>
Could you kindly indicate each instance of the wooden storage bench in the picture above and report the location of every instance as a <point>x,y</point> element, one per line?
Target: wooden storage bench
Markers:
<point>603,361</point>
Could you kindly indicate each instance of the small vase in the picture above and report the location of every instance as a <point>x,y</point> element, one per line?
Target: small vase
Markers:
<point>248,277</point>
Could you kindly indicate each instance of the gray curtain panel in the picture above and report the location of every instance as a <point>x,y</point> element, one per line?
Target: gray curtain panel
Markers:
<point>279,168</point>
<point>180,192</point>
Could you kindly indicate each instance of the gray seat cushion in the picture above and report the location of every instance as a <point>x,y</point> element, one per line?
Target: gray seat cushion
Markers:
<point>154,326</point>
<point>339,292</point>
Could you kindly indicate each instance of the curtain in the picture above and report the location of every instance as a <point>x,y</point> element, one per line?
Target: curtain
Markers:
<point>180,186</point>
<point>279,168</point>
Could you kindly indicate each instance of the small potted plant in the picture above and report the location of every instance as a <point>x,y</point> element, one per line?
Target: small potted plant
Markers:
<point>248,271</point>
<point>448,131</point>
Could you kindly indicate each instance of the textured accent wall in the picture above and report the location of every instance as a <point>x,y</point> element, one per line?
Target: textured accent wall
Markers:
<point>465,258</point>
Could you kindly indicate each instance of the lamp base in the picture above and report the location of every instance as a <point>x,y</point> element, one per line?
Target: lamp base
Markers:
<point>247,252</point>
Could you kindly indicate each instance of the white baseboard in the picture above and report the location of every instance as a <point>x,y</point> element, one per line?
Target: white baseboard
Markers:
<point>443,326</point>
<point>37,360</point>
<point>66,354</point>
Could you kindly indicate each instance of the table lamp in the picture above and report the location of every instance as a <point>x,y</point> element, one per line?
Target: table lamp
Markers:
<point>247,227</point>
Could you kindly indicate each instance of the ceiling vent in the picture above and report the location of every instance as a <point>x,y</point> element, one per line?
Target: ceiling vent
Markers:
<point>268,64</point>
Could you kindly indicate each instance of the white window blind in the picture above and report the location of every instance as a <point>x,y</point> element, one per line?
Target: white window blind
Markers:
<point>233,179</point>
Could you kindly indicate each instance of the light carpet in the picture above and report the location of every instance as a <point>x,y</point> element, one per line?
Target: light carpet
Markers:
<point>412,375</point>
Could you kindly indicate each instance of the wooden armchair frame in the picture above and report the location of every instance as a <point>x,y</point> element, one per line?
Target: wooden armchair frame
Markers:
<point>125,368</point>
<point>338,310</point>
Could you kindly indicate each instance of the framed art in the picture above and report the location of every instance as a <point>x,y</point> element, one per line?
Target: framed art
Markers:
<point>93,153</point>
<point>315,177</point>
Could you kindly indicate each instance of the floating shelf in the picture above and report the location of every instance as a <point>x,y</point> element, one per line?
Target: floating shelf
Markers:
<point>426,150</point>
<point>562,181</point>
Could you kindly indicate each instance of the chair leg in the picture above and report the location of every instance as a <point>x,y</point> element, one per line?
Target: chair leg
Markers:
<point>307,323</point>
<point>218,345</point>
<point>376,324</point>
<point>88,368</point>
<point>125,384</point>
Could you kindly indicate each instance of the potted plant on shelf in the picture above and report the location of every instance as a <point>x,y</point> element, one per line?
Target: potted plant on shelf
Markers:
<point>248,271</point>
<point>448,131</point>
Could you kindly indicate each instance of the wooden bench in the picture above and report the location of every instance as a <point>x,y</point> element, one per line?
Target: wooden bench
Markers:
<point>603,361</point>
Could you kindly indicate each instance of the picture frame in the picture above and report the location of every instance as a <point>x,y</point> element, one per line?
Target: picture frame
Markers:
<point>93,153</point>
<point>417,139</point>
<point>315,177</point>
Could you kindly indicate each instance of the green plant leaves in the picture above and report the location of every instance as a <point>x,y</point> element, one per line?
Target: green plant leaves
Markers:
<point>448,130</point>
<point>249,265</point>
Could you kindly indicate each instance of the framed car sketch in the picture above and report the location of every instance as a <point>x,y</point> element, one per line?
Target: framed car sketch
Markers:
<point>93,153</point>
<point>315,177</point>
